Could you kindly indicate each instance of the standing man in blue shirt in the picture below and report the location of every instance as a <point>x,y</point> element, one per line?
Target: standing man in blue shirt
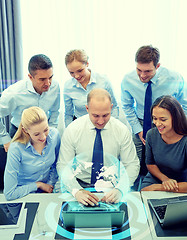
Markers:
<point>39,90</point>
<point>133,88</point>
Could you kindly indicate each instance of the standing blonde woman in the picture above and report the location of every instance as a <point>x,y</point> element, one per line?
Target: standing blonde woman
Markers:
<point>32,156</point>
<point>82,82</point>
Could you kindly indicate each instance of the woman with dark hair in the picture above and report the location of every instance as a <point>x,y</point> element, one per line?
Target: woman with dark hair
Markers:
<point>166,147</point>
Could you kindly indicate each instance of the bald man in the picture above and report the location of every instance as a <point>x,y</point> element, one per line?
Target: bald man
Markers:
<point>78,140</point>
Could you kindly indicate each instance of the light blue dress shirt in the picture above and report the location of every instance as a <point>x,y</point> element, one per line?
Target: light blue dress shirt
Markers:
<point>25,166</point>
<point>165,82</point>
<point>22,95</point>
<point>75,96</point>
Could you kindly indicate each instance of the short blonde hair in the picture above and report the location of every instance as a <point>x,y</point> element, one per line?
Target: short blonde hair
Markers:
<point>30,116</point>
<point>78,55</point>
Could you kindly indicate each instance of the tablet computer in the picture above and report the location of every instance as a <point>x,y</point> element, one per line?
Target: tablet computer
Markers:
<point>11,214</point>
<point>104,215</point>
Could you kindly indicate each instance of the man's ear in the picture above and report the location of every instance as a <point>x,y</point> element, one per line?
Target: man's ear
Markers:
<point>86,108</point>
<point>30,76</point>
<point>158,65</point>
<point>111,106</point>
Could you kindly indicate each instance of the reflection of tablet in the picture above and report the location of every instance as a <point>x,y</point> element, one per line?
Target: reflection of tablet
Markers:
<point>10,214</point>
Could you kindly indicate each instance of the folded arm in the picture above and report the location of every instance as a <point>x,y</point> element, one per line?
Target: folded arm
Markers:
<point>182,188</point>
<point>167,183</point>
<point>11,189</point>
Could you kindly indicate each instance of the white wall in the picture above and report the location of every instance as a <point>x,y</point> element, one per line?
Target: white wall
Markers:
<point>110,31</point>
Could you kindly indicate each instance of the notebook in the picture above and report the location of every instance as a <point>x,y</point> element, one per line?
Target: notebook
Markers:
<point>75,214</point>
<point>169,211</point>
<point>10,214</point>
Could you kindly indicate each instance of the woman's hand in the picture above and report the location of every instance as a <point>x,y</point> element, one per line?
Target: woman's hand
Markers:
<point>170,185</point>
<point>45,187</point>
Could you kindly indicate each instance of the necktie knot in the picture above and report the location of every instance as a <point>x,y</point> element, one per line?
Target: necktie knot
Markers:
<point>98,130</point>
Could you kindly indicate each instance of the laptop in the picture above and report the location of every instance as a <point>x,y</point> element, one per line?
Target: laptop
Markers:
<point>104,215</point>
<point>11,214</point>
<point>169,211</point>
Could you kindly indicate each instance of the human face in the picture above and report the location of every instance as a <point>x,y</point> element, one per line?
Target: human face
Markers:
<point>99,112</point>
<point>163,120</point>
<point>79,71</point>
<point>41,80</point>
<point>38,133</point>
<point>146,71</point>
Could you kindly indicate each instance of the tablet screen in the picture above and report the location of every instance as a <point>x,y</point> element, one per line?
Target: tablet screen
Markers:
<point>78,207</point>
<point>10,214</point>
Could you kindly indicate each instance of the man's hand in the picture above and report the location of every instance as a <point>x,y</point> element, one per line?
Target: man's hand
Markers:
<point>140,134</point>
<point>45,187</point>
<point>85,197</point>
<point>6,146</point>
<point>113,196</point>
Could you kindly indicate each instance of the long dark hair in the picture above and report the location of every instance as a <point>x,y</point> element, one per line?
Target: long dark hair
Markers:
<point>179,120</point>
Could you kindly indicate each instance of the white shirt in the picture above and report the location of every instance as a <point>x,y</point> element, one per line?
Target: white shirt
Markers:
<point>78,139</point>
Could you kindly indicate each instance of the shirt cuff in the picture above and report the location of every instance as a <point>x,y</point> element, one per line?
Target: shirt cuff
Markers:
<point>137,128</point>
<point>5,139</point>
<point>74,191</point>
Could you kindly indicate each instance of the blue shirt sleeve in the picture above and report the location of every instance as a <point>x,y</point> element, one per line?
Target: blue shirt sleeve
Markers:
<point>7,106</point>
<point>11,189</point>
<point>53,176</point>
<point>128,105</point>
<point>69,108</point>
<point>115,108</point>
<point>54,110</point>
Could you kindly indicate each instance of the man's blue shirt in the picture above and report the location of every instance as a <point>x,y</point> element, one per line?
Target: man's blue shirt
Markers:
<point>22,95</point>
<point>165,82</point>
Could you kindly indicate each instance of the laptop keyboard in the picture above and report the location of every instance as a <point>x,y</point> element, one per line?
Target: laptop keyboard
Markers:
<point>161,210</point>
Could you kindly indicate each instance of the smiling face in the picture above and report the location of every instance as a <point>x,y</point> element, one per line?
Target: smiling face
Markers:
<point>146,71</point>
<point>41,80</point>
<point>162,120</point>
<point>38,132</point>
<point>99,111</point>
<point>79,71</point>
